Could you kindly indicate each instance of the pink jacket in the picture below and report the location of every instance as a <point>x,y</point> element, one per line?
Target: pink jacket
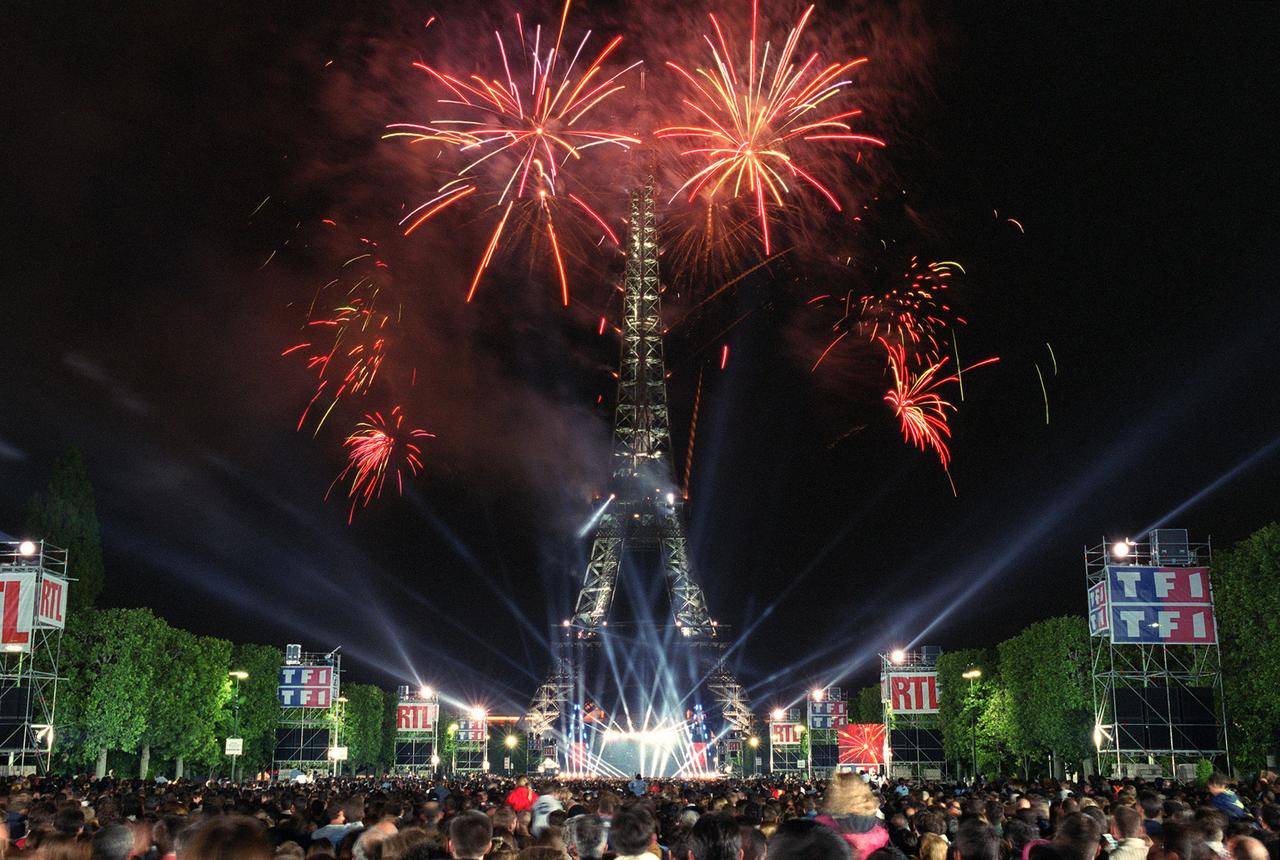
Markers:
<point>863,842</point>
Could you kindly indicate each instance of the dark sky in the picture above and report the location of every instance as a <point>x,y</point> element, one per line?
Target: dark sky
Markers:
<point>1136,143</point>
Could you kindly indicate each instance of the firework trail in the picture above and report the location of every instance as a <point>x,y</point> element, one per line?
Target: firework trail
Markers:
<point>376,448</point>
<point>518,132</point>
<point>752,129</point>
<point>346,334</point>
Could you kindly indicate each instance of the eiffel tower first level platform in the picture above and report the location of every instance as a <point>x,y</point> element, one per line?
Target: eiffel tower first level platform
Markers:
<point>644,513</point>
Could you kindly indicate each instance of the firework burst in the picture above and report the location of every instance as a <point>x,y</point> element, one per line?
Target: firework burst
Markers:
<point>752,130</point>
<point>376,448</point>
<point>518,132</point>
<point>920,409</point>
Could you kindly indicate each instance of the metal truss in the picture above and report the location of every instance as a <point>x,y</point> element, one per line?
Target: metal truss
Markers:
<point>1152,668</point>
<point>305,736</point>
<point>735,707</point>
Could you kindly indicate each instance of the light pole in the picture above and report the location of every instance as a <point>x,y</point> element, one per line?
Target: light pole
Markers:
<point>338,726</point>
<point>238,675</point>
<point>510,742</point>
<point>972,675</point>
<point>754,743</point>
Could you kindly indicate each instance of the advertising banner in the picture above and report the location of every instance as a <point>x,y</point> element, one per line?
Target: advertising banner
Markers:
<point>1160,605</point>
<point>785,734</point>
<point>1099,611</point>
<point>416,716</point>
<point>305,687</point>
<point>17,605</point>
<point>828,714</point>
<point>473,731</point>
<point>862,744</point>
<point>912,692</point>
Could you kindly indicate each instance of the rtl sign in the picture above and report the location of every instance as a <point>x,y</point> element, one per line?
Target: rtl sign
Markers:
<point>913,692</point>
<point>784,734</point>
<point>416,716</point>
<point>29,601</point>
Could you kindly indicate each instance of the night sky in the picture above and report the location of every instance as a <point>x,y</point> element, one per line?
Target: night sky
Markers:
<point>1135,142</point>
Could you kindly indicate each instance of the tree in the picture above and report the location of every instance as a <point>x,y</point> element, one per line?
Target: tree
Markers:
<point>65,515</point>
<point>259,707</point>
<point>362,726</point>
<point>1246,594</point>
<point>960,701</point>
<point>998,741</point>
<point>114,667</point>
<point>1045,670</point>
<point>389,731</point>
<point>192,688</point>
<point>866,706</point>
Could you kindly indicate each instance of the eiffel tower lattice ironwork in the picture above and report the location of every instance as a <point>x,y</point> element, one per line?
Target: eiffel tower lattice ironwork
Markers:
<point>646,511</point>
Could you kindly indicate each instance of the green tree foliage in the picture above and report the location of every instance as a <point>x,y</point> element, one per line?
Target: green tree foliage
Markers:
<point>390,701</point>
<point>113,661</point>
<point>259,707</point>
<point>959,702</point>
<point>866,706</point>
<point>65,515</point>
<point>191,690</point>
<point>1045,670</point>
<point>1246,593</point>
<point>362,729</point>
<point>998,740</point>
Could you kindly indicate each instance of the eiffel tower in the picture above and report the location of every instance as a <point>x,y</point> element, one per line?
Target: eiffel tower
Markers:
<point>646,510</point>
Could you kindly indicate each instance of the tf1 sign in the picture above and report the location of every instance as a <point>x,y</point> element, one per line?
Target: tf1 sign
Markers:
<point>912,692</point>
<point>1160,605</point>
<point>305,687</point>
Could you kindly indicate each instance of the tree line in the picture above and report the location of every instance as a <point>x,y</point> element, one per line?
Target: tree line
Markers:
<point>140,694</point>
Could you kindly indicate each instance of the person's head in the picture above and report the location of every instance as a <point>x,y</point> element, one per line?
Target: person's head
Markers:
<point>932,847</point>
<point>226,837</point>
<point>1271,817</point>
<point>848,794</point>
<point>1150,803</point>
<point>1211,823</point>
<point>806,839</point>
<point>975,840</point>
<point>1182,840</point>
<point>470,834</point>
<point>114,842</point>
<point>754,845</point>
<point>333,812</point>
<point>1217,783</point>
<point>1079,837</point>
<point>1126,822</point>
<point>714,837</point>
<point>930,822</point>
<point>1247,848</point>
<point>69,819</point>
<point>504,818</point>
<point>633,829</point>
<point>608,804</point>
<point>1020,833</point>
<point>585,837</point>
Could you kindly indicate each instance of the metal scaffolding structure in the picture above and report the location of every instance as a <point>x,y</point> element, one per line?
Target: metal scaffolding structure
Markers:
<point>913,740</point>
<point>417,737</point>
<point>307,736</point>
<point>1158,708</point>
<point>645,509</point>
<point>33,576</point>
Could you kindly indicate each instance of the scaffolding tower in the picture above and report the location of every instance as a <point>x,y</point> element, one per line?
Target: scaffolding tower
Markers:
<point>33,576</point>
<point>307,737</point>
<point>1158,707</point>
<point>913,737</point>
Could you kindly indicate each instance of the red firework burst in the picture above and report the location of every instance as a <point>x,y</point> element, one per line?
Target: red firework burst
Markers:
<point>376,448</point>
<point>528,132</point>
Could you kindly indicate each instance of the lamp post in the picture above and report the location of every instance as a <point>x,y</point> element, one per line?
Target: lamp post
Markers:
<point>238,675</point>
<point>338,726</point>
<point>510,742</point>
<point>754,743</point>
<point>972,675</point>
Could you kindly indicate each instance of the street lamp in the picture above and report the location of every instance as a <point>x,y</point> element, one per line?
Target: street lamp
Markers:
<point>972,675</point>
<point>337,741</point>
<point>239,675</point>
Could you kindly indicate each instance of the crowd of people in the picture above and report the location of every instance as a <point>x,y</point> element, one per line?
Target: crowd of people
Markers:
<point>848,817</point>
